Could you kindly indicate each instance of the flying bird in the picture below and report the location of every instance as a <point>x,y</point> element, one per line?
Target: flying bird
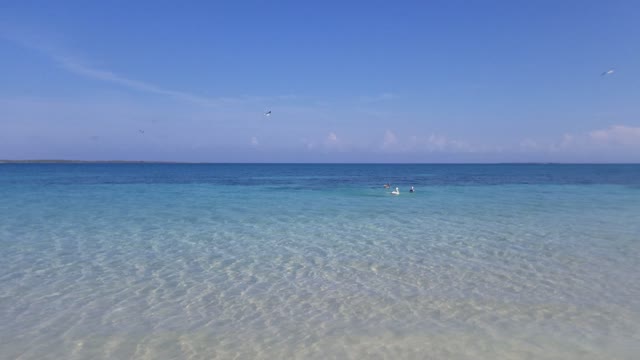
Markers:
<point>141,131</point>
<point>268,113</point>
<point>608,72</point>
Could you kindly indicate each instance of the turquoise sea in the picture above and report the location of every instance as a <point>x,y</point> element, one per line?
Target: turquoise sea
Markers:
<point>242,261</point>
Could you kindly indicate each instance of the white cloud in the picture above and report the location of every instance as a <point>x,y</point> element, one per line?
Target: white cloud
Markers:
<point>429,143</point>
<point>77,67</point>
<point>437,142</point>
<point>333,142</point>
<point>390,139</point>
<point>308,144</point>
<point>442,143</point>
<point>37,41</point>
<point>567,140</point>
<point>614,137</point>
<point>617,135</point>
<point>613,143</point>
<point>529,144</point>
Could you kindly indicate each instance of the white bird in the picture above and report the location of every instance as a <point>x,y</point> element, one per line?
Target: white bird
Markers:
<point>608,72</point>
<point>396,192</point>
<point>268,113</point>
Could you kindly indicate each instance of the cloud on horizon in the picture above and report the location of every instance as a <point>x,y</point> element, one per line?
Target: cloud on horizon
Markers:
<point>615,137</point>
<point>430,143</point>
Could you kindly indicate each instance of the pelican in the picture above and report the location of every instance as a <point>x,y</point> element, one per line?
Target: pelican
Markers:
<point>395,192</point>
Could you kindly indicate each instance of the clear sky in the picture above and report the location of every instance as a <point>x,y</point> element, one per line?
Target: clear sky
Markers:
<point>346,81</point>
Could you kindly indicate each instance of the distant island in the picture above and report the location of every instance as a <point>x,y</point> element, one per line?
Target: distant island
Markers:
<point>88,162</point>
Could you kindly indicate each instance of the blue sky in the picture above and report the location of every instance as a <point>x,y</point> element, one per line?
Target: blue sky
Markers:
<point>374,81</point>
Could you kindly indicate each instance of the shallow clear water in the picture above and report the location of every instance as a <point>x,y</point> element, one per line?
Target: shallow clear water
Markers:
<point>319,261</point>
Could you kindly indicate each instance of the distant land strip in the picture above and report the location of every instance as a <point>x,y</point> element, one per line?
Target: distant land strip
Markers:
<point>53,161</point>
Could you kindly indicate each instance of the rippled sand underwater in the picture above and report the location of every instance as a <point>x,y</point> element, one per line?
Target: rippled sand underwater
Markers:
<point>172,262</point>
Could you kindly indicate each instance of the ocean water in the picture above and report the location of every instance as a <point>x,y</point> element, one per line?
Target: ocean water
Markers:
<point>173,261</point>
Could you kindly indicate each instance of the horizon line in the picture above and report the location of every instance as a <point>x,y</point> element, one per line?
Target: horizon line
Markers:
<point>72,161</point>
